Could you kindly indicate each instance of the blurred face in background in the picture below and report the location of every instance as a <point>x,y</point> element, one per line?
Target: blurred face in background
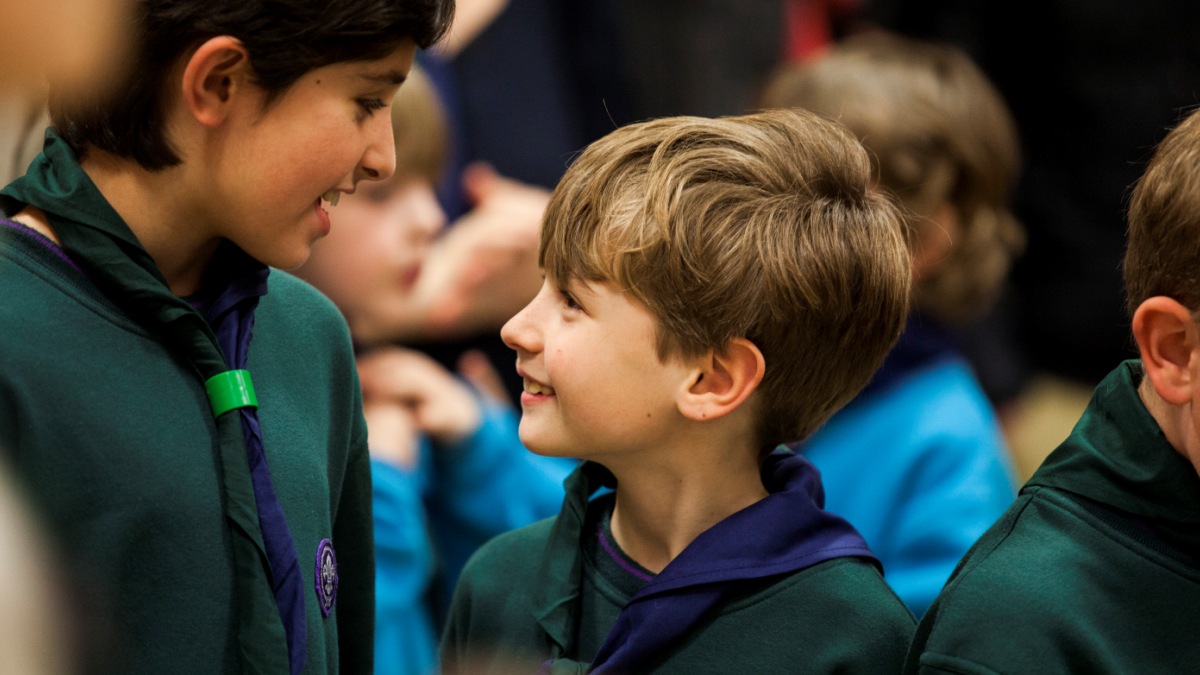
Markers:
<point>370,262</point>
<point>80,44</point>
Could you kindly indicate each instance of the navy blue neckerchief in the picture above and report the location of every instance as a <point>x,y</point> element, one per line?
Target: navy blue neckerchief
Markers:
<point>923,343</point>
<point>267,576</point>
<point>785,532</point>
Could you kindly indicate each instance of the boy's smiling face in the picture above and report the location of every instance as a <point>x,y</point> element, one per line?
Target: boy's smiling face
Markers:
<point>594,385</point>
<point>322,135</point>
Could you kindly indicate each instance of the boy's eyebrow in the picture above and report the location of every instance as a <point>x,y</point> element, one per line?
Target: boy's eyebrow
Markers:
<point>390,77</point>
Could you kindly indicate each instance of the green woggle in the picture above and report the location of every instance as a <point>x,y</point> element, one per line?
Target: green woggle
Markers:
<point>230,390</point>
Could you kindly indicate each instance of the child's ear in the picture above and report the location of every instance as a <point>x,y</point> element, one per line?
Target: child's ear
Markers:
<point>212,76</point>
<point>1167,338</point>
<point>722,381</point>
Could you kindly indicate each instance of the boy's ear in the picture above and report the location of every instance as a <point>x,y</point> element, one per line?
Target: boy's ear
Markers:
<point>1167,338</point>
<point>722,381</point>
<point>215,73</point>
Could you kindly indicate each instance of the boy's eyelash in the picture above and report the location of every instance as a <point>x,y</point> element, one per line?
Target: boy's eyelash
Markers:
<point>570,300</point>
<point>370,105</point>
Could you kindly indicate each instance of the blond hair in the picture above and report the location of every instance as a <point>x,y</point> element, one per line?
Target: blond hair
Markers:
<point>420,128</point>
<point>762,227</point>
<point>1162,254</point>
<point>940,134</point>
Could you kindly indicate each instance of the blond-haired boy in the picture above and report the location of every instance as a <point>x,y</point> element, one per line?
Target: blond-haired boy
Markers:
<point>943,141</point>
<point>713,288</point>
<point>1094,568</point>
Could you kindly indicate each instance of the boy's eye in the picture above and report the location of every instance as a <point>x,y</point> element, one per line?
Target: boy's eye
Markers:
<point>570,301</point>
<point>370,105</point>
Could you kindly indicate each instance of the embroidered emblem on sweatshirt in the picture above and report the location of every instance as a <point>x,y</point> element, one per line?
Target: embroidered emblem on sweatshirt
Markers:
<point>326,576</point>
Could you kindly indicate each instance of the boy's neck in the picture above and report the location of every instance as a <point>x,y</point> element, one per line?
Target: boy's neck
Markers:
<point>660,509</point>
<point>157,210</point>
<point>1177,422</point>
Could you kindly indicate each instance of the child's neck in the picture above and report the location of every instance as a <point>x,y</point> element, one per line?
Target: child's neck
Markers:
<point>661,509</point>
<point>151,205</point>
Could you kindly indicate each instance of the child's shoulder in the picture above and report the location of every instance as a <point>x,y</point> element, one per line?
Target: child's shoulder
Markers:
<point>493,602</point>
<point>836,616</point>
<point>510,557</point>
<point>849,587</point>
<point>296,295</point>
<point>293,306</point>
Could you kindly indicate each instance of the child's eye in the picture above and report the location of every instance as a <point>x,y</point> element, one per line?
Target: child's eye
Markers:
<point>370,105</point>
<point>570,301</point>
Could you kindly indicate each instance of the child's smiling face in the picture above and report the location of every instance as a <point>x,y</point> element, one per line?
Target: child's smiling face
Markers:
<point>594,385</point>
<point>321,136</point>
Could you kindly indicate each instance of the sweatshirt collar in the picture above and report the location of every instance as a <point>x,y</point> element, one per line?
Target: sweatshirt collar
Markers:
<point>787,531</point>
<point>1118,456</point>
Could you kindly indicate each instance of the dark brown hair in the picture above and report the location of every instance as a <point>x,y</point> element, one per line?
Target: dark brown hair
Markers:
<point>285,39</point>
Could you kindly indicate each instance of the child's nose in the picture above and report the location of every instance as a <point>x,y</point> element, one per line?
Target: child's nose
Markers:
<point>379,158</point>
<point>518,332</point>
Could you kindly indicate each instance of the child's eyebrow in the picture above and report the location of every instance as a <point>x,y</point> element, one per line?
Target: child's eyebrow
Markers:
<point>390,77</point>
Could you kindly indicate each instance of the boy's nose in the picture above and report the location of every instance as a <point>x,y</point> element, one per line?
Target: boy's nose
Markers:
<point>518,332</point>
<point>379,158</point>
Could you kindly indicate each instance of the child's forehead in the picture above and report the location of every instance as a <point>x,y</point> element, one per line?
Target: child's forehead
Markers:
<point>387,71</point>
<point>563,277</point>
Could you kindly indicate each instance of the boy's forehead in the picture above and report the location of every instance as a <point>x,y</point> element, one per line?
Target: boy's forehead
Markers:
<point>388,71</point>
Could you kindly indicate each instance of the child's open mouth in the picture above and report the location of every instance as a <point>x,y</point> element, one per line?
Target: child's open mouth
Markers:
<point>538,389</point>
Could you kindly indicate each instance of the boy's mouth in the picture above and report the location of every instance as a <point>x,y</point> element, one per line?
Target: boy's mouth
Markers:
<point>537,388</point>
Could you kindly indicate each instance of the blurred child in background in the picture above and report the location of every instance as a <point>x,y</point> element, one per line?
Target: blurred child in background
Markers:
<point>944,143</point>
<point>448,468</point>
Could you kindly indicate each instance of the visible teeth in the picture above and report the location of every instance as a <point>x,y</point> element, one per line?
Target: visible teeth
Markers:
<point>332,197</point>
<point>532,387</point>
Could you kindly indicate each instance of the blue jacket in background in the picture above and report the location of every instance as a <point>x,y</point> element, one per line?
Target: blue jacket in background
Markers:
<point>919,466</point>
<point>431,517</point>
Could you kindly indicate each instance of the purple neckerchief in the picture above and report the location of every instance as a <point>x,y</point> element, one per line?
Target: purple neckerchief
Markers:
<point>44,241</point>
<point>785,532</point>
<point>231,316</point>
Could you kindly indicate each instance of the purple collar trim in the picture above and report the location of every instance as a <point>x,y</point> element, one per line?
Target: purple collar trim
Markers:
<point>618,558</point>
<point>42,239</point>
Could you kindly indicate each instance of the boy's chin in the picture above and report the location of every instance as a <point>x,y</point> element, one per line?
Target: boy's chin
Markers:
<point>543,449</point>
<point>280,258</point>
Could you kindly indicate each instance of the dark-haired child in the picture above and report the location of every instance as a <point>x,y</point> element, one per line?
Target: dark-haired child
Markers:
<point>186,420</point>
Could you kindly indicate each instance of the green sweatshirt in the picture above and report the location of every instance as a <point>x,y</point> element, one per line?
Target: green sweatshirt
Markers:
<point>1095,568</point>
<point>115,443</point>
<point>834,617</point>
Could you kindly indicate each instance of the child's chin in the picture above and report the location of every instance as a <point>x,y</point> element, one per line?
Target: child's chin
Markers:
<point>543,449</point>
